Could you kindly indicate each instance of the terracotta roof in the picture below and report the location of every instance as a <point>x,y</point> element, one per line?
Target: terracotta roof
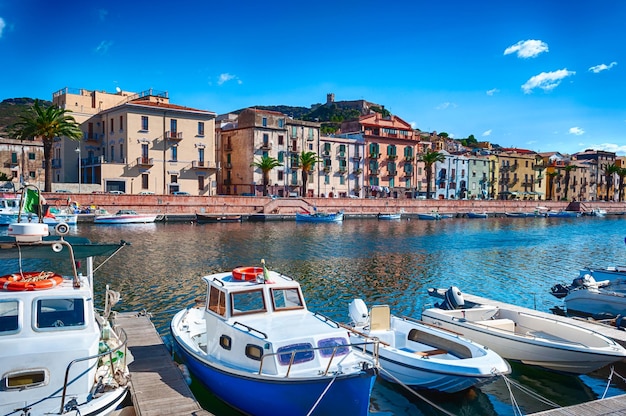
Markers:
<point>166,105</point>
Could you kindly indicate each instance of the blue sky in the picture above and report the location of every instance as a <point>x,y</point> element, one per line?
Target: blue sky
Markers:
<point>536,74</point>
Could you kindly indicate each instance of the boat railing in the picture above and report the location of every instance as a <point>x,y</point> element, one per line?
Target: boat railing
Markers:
<point>250,329</point>
<point>375,342</point>
<point>123,344</point>
<point>325,319</point>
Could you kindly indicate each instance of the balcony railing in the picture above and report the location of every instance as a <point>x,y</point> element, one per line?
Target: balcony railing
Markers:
<point>145,161</point>
<point>266,146</point>
<point>174,135</point>
<point>374,155</point>
<point>201,164</point>
<point>392,157</point>
<point>327,169</point>
<point>356,157</point>
<point>392,173</point>
<point>373,171</point>
<point>409,158</point>
<point>343,170</point>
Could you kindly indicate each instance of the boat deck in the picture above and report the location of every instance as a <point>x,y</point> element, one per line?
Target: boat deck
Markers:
<point>606,330</point>
<point>157,385</point>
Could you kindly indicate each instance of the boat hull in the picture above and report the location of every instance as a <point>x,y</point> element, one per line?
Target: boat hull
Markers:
<point>210,219</point>
<point>601,303</point>
<point>124,219</point>
<point>337,217</point>
<point>275,396</point>
<point>557,346</point>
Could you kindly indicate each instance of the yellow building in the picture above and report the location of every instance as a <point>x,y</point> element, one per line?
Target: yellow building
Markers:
<point>137,142</point>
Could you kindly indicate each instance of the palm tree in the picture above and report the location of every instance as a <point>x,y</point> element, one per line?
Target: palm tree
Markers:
<point>266,164</point>
<point>622,174</point>
<point>551,176</point>
<point>567,170</point>
<point>609,172</point>
<point>47,123</point>
<point>430,158</point>
<point>307,163</point>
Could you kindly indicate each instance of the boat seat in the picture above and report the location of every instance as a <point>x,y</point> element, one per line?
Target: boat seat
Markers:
<point>503,324</point>
<point>380,318</point>
<point>438,351</point>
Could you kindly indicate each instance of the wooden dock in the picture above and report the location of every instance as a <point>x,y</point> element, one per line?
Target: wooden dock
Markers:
<point>157,384</point>
<point>613,406</point>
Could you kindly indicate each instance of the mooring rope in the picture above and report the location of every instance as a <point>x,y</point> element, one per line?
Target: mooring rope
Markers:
<point>531,392</point>
<point>441,409</point>
<point>321,396</point>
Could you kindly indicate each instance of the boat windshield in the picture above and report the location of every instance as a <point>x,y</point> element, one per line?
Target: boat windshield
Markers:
<point>287,299</point>
<point>248,302</point>
<point>59,313</point>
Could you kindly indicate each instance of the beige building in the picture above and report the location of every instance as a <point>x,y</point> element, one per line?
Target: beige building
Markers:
<point>21,161</point>
<point>519,174</point>
<point>137,143</point>
<point>340,174</point>
<point>247,137</point>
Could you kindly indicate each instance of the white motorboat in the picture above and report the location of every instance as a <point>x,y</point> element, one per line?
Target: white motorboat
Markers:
<point>586,296</point>
<point>517,335</point>
<point>59,356</point>
<point>319,216</point>
<point>390,216</point>
<point>421,356</point>
<point>257,347</point>
<point>124,216</point>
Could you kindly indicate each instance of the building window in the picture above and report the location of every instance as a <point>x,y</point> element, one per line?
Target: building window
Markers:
<point>121,123</point>
<point>144,123</point>
<point>122,151</point>
<point>281,123</point>
<point>13,157</point>
<point>112,124</point>
<point>201,156</point>
<point>281,140</point>
<point>144,152</point>
<point>200,128</point>
<point>327,179</point>
<point>264,122</point>
<point>173,126</point>
<point>31,156</point>
<point>112,153</point>
<point>173,179</point>
<point>201,183</point>
<point>311,133</point>
<point>144,181</point>
<point>174,153</point>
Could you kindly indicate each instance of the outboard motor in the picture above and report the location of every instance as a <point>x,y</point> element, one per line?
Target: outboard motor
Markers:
<point>358,313</point>
<point>453,299</point>
<point>559,291</point>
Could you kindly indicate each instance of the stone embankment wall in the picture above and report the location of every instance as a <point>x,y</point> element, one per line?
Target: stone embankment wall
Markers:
<point>170,204</point>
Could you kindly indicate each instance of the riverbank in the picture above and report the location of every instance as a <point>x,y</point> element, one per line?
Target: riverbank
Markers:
<point>171,205</point>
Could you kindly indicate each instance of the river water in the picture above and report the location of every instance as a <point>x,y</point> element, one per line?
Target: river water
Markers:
<point>514,260</point>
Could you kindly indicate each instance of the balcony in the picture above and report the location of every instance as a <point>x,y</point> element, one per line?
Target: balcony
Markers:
<point>356,157</point>
<point>392,157</point>
<point>93,137</point>
<point>295,183</point>
<point>409,158</point>
<point>173,136</point>
<point>266,146</point>
<point>325,154</point>
<point>200,164</point>
<point>229,165</point>
<point>145,161</point>
<point>374,155</point>
<point>358,171</point>
<point>392,173</point>
<point>327,169</point>
<point>342,170</point>
<point>374,172</point>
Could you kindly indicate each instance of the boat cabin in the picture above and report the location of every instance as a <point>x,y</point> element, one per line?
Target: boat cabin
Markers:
<point>256,323</point>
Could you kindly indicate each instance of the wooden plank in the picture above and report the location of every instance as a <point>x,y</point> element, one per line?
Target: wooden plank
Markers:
<point>612,406</point>
<point>157,385</point>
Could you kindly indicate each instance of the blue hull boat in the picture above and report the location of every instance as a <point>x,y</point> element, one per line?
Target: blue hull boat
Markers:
<point>258,348</point>
<point>319,217</point>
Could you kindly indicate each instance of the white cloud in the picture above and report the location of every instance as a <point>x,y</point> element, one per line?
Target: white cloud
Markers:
<point>546,80</point>
<point>2,26</point>
<point>102,14</point>
<point>103,47</point>
<point>493,91</point>
<point>602,67</point>
<point>225,77</point>
<point>487,133</point>
<point>527,48</point>
<point>576,131</point>
<point>445,106</point>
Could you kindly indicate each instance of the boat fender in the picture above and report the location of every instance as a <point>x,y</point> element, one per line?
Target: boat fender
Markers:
<point>185,372</point>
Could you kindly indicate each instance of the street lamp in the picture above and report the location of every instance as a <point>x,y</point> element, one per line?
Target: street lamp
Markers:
<point>79,168</point>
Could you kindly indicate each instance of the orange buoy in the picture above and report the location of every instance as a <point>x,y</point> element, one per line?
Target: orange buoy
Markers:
<point>30,281</point>
<point>247,273</point>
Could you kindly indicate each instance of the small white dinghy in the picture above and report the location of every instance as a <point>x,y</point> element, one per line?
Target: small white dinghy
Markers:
<point>420,356</point>
<point>533,339</point>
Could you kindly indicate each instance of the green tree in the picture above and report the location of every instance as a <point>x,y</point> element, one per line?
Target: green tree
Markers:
<point>430,158</point>
<point>266,164</point>
<point>46,123</point>
<point>609,172</point>
<point>307,163</point>
<point>568,169</point>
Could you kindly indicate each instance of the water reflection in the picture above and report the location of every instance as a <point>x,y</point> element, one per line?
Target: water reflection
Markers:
<point>392,262</point>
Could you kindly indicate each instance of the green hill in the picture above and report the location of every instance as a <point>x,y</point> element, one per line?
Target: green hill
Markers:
<point>12,108</point>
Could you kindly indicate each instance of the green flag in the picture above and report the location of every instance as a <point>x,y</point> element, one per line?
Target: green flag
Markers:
<point>31,202</point>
